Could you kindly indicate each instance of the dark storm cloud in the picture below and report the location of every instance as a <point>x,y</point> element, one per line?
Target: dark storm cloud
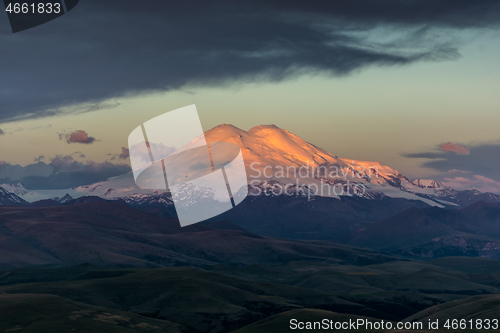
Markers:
<point>60,172</point>
<point>482,160</point>
<point>111,48</point>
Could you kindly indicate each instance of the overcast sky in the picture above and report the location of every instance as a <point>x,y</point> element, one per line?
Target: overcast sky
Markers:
<point>392,81</point>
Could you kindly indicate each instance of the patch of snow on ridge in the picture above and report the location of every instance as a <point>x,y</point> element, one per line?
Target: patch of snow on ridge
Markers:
<point>35,195</point>
<point>428,183</point>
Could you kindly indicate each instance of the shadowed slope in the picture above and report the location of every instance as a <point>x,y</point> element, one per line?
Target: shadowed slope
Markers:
<point>105,233</point>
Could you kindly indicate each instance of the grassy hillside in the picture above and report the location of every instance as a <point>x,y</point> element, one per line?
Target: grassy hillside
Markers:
<point>202,300</point>
<point>255,298</point>
<point>48,313</point>
<point>280,323</point>
<point>221,280</point>
<point>476,307</point>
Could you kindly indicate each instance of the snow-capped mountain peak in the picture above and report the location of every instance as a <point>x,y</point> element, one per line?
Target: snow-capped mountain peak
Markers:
<point>18,188</point>
<point>65,199</point>
<point>8,198</point>
<point>271,145</point>
<point>428,183</point>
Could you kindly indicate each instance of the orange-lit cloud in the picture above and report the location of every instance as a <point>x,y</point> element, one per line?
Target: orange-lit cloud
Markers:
<point>122,156</point>
<point>125,153</point>
<point>457,171</point>
<point>454,147</point>
<point>79,136</point>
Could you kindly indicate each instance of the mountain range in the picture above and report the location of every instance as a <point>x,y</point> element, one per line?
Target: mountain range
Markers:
<point>274,157</point>
<point>117,232</point>
<point>396,215</point>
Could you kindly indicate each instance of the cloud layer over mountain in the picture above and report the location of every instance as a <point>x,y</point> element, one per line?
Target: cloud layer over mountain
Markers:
<point>60,172</point>
<point>473,167</point>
